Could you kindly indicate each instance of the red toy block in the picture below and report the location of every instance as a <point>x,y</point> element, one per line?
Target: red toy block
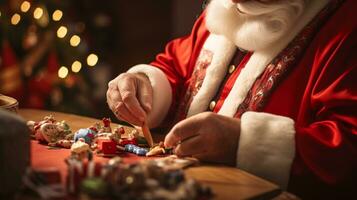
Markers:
<point>107,146</point>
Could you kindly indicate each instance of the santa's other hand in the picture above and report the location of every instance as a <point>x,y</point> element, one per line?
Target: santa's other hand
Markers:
<point>207,136</point>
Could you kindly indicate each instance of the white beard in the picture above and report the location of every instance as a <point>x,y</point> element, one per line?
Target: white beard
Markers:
<point>253,25</point>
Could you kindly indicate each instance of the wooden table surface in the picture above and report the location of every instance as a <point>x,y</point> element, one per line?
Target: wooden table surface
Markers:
<point>226,182</point>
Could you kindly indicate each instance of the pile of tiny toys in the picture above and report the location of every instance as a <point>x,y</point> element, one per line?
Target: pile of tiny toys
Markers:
<point>161,178</point>
<point>100,138</point>
<point>51,132</point>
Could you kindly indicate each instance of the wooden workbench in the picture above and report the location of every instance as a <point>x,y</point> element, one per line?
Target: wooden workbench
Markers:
<point>226,182</point>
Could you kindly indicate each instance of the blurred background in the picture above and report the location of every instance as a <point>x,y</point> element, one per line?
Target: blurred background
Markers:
<point>60,54</point>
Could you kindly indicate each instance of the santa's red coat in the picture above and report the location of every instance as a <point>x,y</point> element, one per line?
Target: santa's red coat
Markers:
<point>319,95</point>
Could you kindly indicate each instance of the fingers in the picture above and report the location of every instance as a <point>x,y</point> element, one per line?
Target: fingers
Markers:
<point>145,94</point>
<point>124,94</point>
<point>113,95</point>
<point>192,146</point>
<point>183,130</point>
<point>124,114</point>
<point>128,90</point>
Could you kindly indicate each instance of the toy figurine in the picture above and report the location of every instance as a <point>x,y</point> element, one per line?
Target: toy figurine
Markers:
<point>49,131</point>
<point>87,134</point>
<point>118,131</point>
<point>157,150</point>
<point>65,127</point>
<point>80,149</point>
<point>132,138</point>
<point>46,119</point>
<point>106,126</point>
<point>133,134</point>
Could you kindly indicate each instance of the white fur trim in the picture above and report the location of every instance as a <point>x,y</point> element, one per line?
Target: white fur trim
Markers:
<point>223,51</point>
<point>255,66</point>
<point>260,59</point>
<point>162,93</point>
<point>267,146</point>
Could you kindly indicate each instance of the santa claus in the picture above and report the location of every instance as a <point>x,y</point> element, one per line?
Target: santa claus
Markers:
<point>265,85</point>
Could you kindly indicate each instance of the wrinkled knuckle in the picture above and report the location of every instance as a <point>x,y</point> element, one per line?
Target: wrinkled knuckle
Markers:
<point>112,84</point>
<point>126,77</point>
<point>127,96</point>
<point>121,76</point>
<point>120,106</point>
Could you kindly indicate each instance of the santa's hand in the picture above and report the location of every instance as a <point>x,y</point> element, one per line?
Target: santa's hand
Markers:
<point>129,96</point>
<point>206,136</point>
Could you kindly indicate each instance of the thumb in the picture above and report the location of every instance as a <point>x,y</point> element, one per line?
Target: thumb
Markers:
<point>145,92</point>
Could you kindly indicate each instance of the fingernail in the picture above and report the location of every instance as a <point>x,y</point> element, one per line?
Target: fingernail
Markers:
<point>148,107</point>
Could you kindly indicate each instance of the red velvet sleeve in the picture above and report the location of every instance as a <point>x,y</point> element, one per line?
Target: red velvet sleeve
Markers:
<point>326,136</point>
<point>178,59</point>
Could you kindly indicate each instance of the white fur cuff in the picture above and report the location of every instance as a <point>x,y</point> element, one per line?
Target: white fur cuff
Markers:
<point>162,93</point>
<point>267,146</point>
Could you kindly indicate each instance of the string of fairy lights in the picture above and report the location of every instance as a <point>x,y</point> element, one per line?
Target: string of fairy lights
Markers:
<point>62,32</point>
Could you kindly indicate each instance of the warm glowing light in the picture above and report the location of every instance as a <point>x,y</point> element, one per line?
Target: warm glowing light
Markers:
<point>75,40</point>
<point>15,19</point>
<point>92,59</point>
<point>76,66</point>
<point>37,14</point>
<point>63,72</point>
<point>25,6</point>
<point>57,15</point>
<point>62,32</point>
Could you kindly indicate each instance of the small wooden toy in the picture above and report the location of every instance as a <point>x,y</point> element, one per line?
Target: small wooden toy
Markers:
<point>157,150</point>
<point>49,131</point>
<point>135,149</point>
<point>107,146</point>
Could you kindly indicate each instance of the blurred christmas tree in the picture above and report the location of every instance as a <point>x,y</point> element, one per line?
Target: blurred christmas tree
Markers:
<point>45,58</point>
